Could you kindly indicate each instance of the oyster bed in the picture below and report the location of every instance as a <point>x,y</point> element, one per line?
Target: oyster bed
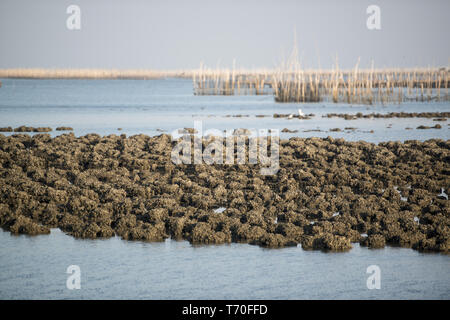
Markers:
<point>327,194</point>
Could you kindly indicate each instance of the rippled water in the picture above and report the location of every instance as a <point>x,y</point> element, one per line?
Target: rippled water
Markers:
<point>35,267</point>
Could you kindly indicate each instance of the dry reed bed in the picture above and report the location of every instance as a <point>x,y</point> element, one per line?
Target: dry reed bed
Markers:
<point>343,86</point>
<point>92,74</point>
<point>289,83</point>
<point>208,81</point>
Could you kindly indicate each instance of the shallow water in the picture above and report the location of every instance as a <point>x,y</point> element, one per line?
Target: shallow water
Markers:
<point>144,106</point>
<point>35,268</point>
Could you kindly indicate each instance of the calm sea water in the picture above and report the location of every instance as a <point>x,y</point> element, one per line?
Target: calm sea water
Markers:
<point>143,106</point>
<point>35,267</point>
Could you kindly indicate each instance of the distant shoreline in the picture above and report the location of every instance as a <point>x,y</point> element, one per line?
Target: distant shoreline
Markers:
<point>80,74</point>
<point>41,73</point>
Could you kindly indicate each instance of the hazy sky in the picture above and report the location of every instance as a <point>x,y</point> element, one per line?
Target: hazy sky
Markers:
<point>175,34</point>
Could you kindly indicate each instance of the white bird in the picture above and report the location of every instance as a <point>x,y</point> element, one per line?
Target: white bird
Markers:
<point>300,113</point>
<point>290,116</point>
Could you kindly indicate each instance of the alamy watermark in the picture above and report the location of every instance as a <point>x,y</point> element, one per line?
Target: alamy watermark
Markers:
<point>74,280</point>
<point>73,22</point>
<point>374,280</point>
<point>374,20</point>
<point>208,147</point>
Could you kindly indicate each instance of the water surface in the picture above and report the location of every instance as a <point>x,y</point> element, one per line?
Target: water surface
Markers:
<point>35,268</point>
<point>155,106</point>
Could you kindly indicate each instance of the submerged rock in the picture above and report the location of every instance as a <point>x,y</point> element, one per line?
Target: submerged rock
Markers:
<point>32,129</point>
<point>286,130</point>
<point>374,241</point>
<point>440,115</point>
<point>437,126</point>
<point>326,242</point>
